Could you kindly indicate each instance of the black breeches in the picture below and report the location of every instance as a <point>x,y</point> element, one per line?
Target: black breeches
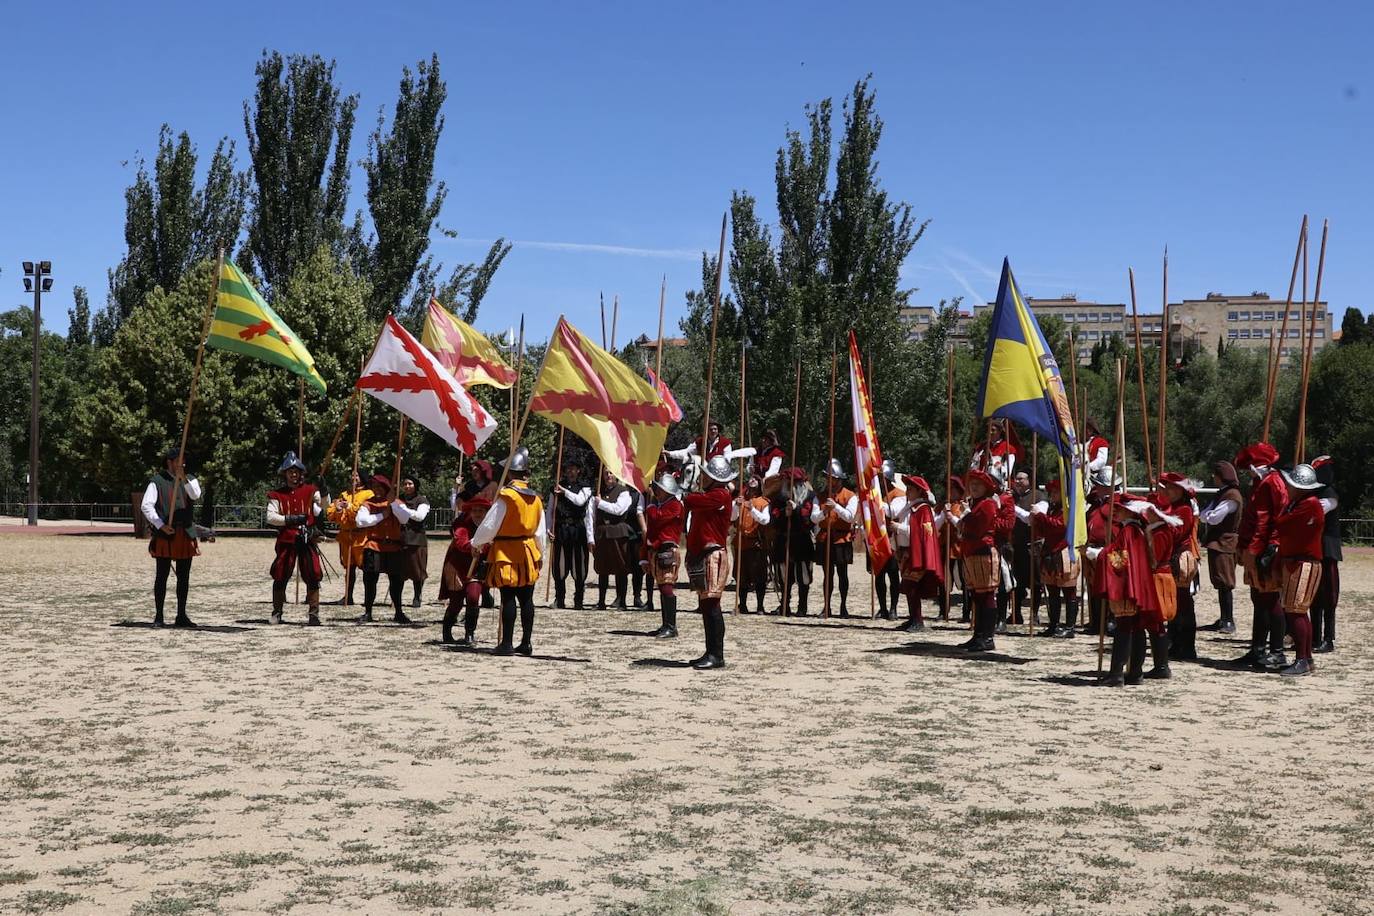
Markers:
<point>513,598</point>
<point>370,577</point>
<point>162,569</point>
<point>570,558</point>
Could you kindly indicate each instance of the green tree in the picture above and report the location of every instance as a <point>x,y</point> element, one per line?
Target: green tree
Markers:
<point>1354,328</point>
<point>170,224</point>
<point>1340,418</point>
<point>299,128</point>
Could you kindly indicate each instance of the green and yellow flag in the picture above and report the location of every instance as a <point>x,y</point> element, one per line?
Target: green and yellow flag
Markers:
<point>245,323</point>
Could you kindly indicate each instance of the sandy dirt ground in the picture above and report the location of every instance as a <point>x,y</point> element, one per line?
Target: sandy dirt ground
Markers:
<point>833,767</point>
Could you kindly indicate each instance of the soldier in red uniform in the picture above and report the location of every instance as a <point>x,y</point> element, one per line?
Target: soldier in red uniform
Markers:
<point>455,585</point>
<point>663,519</point>
<point>1125,578</point>
<point>977,547</point>
<point>1004,534</point>
<point>1058,564</point>
<point>1103,484</point>
<point>294,509</point>
<point>1298,557</point>
<point>769,458</point>
<point>717,444</point>
<point>1160,526</point>
<point>381,518</point>
<point>917,550</point>
<point>1175,496</point>
<point>708,561</point>
<point>1268,496</point>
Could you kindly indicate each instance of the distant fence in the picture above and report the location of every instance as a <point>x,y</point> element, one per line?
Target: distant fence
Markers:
<point>227,518</point>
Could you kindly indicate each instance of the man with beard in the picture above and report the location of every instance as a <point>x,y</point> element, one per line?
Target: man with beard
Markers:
<point>1256,533</point>
<point>173,540</point>
<point>794,549</point>
<point>611,535</point>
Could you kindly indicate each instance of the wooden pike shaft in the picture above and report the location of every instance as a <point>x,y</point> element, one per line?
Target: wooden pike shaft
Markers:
<point>553,534</point>
<point>195,384</point>
<point>1118,451</point>
<point>829,533</point>
<point>711,357</point>
<point>1300,449</point>
<point>1276,347</point>
<point>1140,379</point>
<point>787,544</point>
<point>1034,593</point>
<point>949,463</point>
<point>615,318</point>
<point>1165,351</point>
<point>658,354</point>
<point>744,436</point>
<point>300,420</point>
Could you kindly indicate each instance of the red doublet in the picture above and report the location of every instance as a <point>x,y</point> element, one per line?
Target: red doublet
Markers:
<point>1267,499</point>
<point>1299,530</point>
<point>765,458</point>
<point>977,528</point>
<point>718,447</point>
<point>1123,573</point>
<point>299,500</point>
<point>1051,528</point>
<point>664,521</point>
<point>1097,523</point>
<point>1006,517</point>
<point>709,512</point>
<point>1183,534</point>
<point>924,555</point>
<point>462,529</point>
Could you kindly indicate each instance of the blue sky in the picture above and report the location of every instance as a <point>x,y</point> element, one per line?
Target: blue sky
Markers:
<point>604,139</point>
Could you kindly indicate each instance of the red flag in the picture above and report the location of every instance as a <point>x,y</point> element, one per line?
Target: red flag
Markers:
<point>868,462</point>
<point>674,411</point>
<point>405,375</point>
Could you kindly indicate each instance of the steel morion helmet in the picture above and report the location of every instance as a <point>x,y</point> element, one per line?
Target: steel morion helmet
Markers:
<point>720,470</point>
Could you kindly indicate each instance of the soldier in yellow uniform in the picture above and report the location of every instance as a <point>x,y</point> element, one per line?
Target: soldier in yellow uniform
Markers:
<point>514,529</point>
<point>343,512</point>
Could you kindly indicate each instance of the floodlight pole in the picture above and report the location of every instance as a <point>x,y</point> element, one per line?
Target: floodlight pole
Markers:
<point>38,277</point>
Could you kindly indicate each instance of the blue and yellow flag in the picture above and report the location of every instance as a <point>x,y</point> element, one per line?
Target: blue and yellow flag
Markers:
<point>1021,383</point>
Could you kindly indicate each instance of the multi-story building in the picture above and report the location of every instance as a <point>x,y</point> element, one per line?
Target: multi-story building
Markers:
<point>1244,321</point>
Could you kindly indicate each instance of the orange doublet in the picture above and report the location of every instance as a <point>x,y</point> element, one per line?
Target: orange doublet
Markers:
<point>513,559</point>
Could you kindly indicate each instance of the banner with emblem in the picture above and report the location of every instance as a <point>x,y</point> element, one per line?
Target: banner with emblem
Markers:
<point>868,462</point>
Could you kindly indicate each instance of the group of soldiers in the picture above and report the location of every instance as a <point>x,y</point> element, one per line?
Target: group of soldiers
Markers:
<point>1003,540</point>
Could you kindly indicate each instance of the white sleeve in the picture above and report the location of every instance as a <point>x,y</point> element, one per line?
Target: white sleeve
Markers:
<point>617,508</point>
<point>1092,552</point>
<point>541,535</point>
<point>762,516</point>
<point>1217,513</point>
<point>192,488</point>
<point>848,510</point>
<point>681,454</point>
<point>149,506</point>
<point>774,467</point>
<point>274,514</point>
<point>400,510</point>
<point>486,532</point>
<point>579,498</point>
<point>817,513</point>
<point>1329,503</point>
<point>365,518</point>
<point>453,500</point>
<point>1023,515</point>
<point>589,519</point>
<point>1098,461</point>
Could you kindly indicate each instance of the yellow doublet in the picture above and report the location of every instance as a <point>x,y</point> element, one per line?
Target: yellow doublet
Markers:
<point>513,559</point>
<point>350,539</point>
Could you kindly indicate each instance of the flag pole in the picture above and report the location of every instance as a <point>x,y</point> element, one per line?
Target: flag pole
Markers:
<point>1140,379</point>
<point>658,353</point>
<point>949,467</point>
<point>787,544</point>
<point>300,418</point>
<point>872,573</point>
<point>1118,451</point>
<point>520,432</point>
<point>1276,348</point>
<point>1166,346</point>
<point>349,406</point>
<point>553,534</point>
<point>739,526</point>
<point>195,383</point>
<point>1033,612</point>
<point>615,318</point>
<point>1300,449</point>
<point>711,356</point>
<point>830,531</point>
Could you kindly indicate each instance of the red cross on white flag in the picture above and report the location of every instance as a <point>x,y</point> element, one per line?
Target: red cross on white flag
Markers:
<point>405,375</point>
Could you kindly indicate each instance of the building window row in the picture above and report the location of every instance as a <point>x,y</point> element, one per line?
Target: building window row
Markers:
<point>1272,316</point>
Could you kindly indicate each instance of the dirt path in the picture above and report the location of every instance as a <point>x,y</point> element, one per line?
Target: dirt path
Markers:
<point>831,768</point>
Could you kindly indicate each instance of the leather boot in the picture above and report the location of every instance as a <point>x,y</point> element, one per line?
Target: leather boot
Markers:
<point>278,602</point>
<point>1135,667</point>
<point>1070,618</point>
<point>312,603</point>
<point>560,596</point>
<point>1159,651</point>
<point>504,647</point>
<point>600,597</point>
<point>668,630</point>
<point>1121,648</point>
<point>183,621</point>
<point>526,647</point>
<point>450,618</point>
<point>158,620</point>
<point>714,658</point>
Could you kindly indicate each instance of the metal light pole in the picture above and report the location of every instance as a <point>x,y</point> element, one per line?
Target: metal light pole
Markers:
<point>38,280</point>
